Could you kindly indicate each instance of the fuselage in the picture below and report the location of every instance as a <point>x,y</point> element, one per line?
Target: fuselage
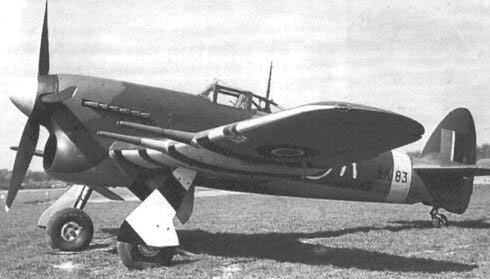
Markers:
<point>100,103</point>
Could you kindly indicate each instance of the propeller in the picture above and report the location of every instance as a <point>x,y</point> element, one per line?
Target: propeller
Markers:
<point>59,97</point>
<point>23,158</point>
<point>35,107</point>
<point>44,49</point>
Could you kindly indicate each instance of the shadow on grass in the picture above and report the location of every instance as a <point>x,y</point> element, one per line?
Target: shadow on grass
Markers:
<point>287,247</point>
<point>97,246</point>
<point>468,224</point>
<point>90,247</point>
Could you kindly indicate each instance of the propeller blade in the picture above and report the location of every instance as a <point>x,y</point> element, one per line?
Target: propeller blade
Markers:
<point>26,149</point>
<point>44,50</point>
<point>61,96</point>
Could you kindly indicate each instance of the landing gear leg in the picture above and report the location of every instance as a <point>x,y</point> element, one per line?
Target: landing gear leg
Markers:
<point>438,219</point>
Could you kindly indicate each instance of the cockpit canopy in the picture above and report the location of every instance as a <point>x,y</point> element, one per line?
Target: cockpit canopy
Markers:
<point>240,99</point>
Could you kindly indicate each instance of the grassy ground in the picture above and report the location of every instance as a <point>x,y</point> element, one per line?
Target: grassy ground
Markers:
<point>255,236</point>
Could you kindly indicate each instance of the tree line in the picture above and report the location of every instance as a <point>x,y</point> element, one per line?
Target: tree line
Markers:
<point>32,180</point>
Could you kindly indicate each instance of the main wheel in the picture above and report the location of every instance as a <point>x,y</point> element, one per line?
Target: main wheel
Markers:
<point>439,220</point>
<point>436,222</point>
<point>70,229</point>
<point>140,256</point>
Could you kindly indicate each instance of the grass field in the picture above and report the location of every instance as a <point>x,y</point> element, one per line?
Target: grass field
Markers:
<point>254,236</point>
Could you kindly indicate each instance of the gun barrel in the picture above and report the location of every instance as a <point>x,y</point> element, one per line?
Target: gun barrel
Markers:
<point>180,136</point>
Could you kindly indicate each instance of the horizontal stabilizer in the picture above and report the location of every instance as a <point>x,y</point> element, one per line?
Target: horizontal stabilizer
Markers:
<point>459,170</point>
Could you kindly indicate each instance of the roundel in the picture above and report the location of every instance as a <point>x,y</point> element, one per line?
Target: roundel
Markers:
<point>285,151</point>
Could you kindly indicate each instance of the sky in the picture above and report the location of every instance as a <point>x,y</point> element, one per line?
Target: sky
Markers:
<point>418,58</point>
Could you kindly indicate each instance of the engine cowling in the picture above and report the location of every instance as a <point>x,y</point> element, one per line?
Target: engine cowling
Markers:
<point>62,155</point>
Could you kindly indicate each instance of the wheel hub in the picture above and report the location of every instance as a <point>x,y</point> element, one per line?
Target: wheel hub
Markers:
<point>148,251</point>
<point>70,231</point>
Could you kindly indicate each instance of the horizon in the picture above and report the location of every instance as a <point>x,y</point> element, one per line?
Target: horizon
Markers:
<point>418,59</point>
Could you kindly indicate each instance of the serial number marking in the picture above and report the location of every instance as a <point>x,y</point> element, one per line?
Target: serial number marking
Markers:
<point>387,175</point>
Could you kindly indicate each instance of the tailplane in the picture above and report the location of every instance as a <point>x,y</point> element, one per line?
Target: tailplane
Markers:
<point>447,163</point>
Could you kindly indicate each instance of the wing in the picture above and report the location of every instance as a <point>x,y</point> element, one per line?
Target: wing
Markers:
<point>294,142</point>
<point>319,135</point>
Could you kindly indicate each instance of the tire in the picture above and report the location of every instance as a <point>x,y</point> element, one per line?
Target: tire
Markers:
<point>436,222</point>
<point>70,229</point>
<point>133,255</point>
<point>439,220</point>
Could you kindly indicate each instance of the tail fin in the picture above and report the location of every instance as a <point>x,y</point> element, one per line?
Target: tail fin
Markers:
<point>454,139</point>
<point>447,163</point>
